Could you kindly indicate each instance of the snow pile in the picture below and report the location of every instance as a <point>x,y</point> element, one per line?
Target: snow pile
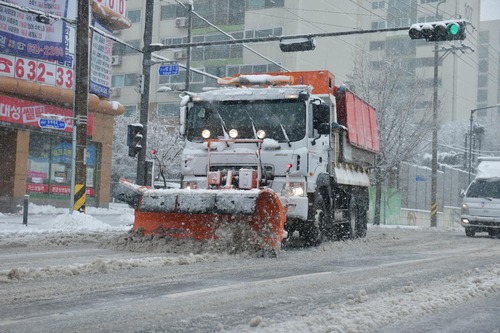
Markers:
<point>100,266</point>
<point>77,221</point>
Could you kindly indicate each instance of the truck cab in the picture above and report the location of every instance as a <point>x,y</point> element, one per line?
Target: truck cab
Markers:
<point>481,201</point>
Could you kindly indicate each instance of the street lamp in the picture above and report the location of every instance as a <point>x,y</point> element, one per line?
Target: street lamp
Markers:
<point>470,133</point>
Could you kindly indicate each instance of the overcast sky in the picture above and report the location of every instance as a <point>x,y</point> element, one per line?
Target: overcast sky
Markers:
<point>490,10</point>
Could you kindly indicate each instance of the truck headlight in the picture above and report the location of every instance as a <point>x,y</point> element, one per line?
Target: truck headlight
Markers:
<point>191,185</point>
<point>465,209</point>
<point>261,134</point>
<point>233,133</point>
<point>205,134</point>
<point>293,190</point>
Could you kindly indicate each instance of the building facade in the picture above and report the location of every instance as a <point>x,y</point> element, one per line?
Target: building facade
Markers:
<point>37,98</point>
<point>258,18</point>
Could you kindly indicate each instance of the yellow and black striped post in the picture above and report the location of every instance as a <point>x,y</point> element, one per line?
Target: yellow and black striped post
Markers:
<point>80,198</point>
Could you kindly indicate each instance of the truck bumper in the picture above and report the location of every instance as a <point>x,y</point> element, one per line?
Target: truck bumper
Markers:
<point>297,207</point>
<point>480,222</point>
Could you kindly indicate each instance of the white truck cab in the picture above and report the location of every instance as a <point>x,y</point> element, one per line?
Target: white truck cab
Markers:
<point>481,201</point>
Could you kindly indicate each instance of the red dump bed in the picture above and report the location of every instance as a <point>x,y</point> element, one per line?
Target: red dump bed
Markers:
<point>360,118</point>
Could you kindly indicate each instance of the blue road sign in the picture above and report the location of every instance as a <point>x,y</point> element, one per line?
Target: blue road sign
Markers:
<point>172,69</point>
<point>52,123</point>
<point>419,178</point>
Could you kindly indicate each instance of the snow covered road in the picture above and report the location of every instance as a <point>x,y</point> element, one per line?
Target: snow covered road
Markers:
<point>89,281</point>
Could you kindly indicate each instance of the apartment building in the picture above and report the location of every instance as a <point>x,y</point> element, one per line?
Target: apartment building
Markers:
<point>259,18</point>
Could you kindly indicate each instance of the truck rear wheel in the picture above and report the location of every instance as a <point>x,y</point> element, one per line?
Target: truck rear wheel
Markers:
<point>318,218</point>
<point>362,222</point>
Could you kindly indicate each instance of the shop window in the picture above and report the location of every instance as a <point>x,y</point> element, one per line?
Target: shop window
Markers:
<point>49,166</point>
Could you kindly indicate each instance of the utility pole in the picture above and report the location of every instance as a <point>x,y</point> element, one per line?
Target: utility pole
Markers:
<point>145,83</point>
<point>188,49</point>
<point>81,104</point>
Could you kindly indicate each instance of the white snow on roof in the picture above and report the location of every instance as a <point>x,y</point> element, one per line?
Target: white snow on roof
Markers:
<point>488,168</point>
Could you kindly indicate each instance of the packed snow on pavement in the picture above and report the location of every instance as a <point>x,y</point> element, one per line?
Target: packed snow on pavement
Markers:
<point>361,311</point>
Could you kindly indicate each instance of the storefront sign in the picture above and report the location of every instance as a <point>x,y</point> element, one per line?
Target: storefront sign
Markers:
<point>40,71</point>
<point>23,35</point>
<point>100,66</point>
<point>25,114</point>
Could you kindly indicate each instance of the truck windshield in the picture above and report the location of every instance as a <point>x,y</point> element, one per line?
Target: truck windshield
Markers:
<point>282,120</point>
<point>484,188</point>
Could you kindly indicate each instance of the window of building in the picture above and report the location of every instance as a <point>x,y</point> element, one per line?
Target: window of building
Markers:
<point>483,66</point>
<point>483,51</point>
<point>131,79</point>
<point>482,95</point>
<point>482,81</point>
<point>428,1</point>
<point>232,70</point>
<point>379,25</point>
<point>219,12</point>
<point>130,110</point>
<point>135,43</point>
<point>49,166</point>
<point>484,37</point>
<point>168,109</point>
<point>377,45</point>
<point>403,5</point>
<point>222,52</point>
<point>378,4</point>
<point>172,11</point>
<point>261,4</point>
<point>134,15</point>
<point>118,81</point>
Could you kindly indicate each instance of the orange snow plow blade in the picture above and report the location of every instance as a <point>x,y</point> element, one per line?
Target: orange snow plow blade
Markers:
<point>208,214</point>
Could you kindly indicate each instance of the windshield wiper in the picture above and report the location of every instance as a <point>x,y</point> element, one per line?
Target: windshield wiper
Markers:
<point>253,125</point>
<point>286,136</point>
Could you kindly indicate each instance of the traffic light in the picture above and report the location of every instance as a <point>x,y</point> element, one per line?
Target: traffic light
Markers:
<point>297,44</point>
<point>134,138</point>
<point>438,31</point>
<point>139,83</point>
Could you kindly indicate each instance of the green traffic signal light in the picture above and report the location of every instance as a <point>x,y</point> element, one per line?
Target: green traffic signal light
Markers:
<point>453,29</point>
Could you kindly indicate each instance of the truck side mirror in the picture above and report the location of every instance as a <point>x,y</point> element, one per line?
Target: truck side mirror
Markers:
<point>182,120</point>
<point>321,114</point>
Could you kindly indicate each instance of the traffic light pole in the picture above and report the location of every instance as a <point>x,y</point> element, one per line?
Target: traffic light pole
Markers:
<point>434,206</point>
<point>144,105</point>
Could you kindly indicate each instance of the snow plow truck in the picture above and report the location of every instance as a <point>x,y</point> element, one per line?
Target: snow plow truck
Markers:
<point>280,153</point>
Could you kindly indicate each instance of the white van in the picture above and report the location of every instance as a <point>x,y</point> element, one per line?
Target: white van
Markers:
<point>481,200</point>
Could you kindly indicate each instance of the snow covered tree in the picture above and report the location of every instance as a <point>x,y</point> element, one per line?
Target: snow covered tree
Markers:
<point>394,92</point>
<point>165,147</point>
<point>162,138</point>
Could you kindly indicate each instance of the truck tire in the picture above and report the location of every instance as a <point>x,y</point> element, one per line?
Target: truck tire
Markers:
<point>353,219</point>
<point>316,221</point>
<point>470,232</point>
<point>362,221</point>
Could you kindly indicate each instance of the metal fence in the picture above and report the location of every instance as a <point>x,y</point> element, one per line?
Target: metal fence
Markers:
<point>415,187</point>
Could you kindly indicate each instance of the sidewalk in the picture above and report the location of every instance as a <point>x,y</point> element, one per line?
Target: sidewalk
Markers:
<point>48,218</point>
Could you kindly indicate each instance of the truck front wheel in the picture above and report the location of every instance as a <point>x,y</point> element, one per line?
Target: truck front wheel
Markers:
<point>316,221</point>
<point>470,232</point>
